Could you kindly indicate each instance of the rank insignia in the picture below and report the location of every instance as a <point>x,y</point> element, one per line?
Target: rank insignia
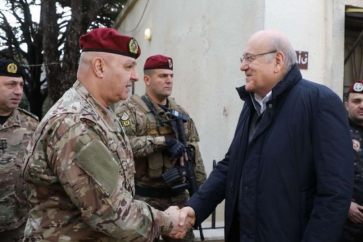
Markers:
<point>126,123</point>
<point>133,46</point>
<point>356,144</point>
<point>12,68</point>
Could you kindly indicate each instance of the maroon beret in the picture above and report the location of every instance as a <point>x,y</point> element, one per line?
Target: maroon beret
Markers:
<point>356,87</point>
<point>109,40</point>
<point>11,68</point>
<point>158,62</point>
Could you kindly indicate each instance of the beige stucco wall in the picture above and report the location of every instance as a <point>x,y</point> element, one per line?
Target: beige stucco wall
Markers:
<point>206,38</point>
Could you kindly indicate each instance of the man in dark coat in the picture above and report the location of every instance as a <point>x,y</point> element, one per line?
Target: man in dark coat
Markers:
<point>288,174</point>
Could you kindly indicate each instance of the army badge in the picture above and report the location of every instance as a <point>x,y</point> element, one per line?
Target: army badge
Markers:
<point>12,68</point>
<point>356,144</point>
<point>358,87</point>
<point>170,63</point>
<point>133,46</point>
<point>125,120</point>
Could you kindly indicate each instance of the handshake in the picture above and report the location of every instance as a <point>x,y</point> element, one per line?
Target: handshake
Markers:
<point>183,220</point>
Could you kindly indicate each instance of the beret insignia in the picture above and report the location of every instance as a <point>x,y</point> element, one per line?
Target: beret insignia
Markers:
<point>358,87</point>
<point>133,46</point>
<point>12,68</point>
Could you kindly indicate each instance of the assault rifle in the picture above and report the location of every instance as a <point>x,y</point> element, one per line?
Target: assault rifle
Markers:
<point>187,171</point>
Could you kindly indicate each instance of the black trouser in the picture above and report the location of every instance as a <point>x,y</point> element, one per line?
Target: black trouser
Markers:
<point>352,232</point>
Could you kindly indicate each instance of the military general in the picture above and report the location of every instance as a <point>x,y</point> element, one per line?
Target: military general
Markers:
<point>153,141</point>
<point>16,128</point>
<point>80,162</point>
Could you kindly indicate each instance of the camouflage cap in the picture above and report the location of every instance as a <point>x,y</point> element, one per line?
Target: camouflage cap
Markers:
<point>11,68</point>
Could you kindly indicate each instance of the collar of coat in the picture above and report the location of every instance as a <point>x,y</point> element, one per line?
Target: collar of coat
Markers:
<point>292,77</point>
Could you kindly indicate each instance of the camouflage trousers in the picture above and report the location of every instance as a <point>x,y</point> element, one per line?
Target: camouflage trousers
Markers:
<point>15,235</point>
<point>162,204</point>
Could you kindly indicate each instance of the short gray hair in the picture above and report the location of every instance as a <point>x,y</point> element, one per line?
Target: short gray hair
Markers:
<point>279,44</point>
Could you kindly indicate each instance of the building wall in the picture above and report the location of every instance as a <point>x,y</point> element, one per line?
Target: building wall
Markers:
<point>206,38</point>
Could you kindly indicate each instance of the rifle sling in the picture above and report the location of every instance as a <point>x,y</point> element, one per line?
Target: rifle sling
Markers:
<point>152,108</point>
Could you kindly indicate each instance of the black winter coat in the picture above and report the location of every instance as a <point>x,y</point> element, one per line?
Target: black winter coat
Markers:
<point>296,174</point>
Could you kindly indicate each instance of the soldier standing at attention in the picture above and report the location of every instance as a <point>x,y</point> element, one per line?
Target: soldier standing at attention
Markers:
<point>80,162</point>
<point>353,228</point>
<point>16,128</point>
<point>153,141</point>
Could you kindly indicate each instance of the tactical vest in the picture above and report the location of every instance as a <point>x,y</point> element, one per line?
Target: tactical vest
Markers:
<point>356,133</point>
<point>158,162</point>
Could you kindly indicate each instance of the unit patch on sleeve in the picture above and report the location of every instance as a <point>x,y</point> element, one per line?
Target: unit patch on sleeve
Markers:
<point>125,119</point>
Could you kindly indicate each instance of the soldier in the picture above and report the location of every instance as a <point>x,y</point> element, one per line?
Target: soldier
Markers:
<point>80,162</point>
<point>16,127</point>
<point>353,228</point>
<point>153,141</point>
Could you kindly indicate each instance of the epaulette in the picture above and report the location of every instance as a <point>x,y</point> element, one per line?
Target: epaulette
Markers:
<point>29,114</point>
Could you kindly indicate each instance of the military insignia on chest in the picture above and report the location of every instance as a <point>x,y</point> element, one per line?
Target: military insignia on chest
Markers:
<point>3,145</point>
<point>356,144</point>
<point>125,119</point>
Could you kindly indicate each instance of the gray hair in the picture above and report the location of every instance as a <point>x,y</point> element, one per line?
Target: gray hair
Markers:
<point>284,46</point>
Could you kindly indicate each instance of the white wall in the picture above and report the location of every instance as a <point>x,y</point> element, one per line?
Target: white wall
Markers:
<point>206,38</point>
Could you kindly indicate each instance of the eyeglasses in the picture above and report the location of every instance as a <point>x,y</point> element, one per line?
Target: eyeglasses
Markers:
<point>250,58</point>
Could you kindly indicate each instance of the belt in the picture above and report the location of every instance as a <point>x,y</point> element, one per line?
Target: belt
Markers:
<point>157,192</point>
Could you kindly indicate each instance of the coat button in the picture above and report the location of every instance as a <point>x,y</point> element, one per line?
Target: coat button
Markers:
<point>246,189</point>
<point>270,105</point>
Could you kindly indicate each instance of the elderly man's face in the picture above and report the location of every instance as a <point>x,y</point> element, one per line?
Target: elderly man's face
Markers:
<point>120,75</point>
<point>258,70</point>
<point>354,107</point>
<point>11,92</point>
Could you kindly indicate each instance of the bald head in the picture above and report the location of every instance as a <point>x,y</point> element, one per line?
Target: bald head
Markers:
<point>275,40</point>
<point>267,58</point>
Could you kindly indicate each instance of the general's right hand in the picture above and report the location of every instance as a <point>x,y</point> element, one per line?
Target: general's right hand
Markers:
<point>178,231</point>
<point>355,215</point>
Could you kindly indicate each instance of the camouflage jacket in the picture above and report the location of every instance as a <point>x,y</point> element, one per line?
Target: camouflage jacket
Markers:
<point>147,139</point>
<point>81,168</point>
<point>15,134</point>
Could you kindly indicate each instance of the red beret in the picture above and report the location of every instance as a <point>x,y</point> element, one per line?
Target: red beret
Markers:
<point>109,40</point>
<point>158,62</point>
<point>356,87</point>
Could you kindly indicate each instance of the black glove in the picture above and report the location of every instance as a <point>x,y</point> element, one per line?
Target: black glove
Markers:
<point>175,148</point>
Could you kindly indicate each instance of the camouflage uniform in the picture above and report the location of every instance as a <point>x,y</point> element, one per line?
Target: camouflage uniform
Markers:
<point>15,134</point>
<point>151,157</point>
<point>81,168</point>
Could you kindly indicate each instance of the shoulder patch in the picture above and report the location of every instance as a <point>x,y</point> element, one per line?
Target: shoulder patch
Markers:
<point>26,112</point>
<point>125,116</point>
<point>125,119</point>
<point>96,160</point>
